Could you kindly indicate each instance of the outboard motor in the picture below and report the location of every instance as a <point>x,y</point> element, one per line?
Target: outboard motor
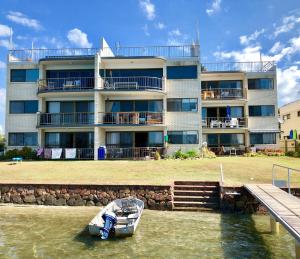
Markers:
<point>110,220</point>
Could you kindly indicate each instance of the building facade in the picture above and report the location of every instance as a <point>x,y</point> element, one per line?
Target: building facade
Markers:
<point>290,118</point>
<point>136,101</point>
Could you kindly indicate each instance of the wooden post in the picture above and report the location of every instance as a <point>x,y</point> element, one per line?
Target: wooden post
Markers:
<point>297,249</point>
<point>274,225</point>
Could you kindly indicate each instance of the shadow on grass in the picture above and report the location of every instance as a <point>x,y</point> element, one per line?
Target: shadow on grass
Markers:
<point>240,239</point>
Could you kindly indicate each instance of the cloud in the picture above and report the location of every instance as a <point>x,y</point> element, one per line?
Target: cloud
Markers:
<point>22,19</point>
<point>276,47</point>
<point>214,8</point>
<point>4,30</point>
<point>5,43</point>
<point>2,99</point>
<point>245,40</point>
<point>148,9</point>
<point>160,26</point>
<point>2,65</point>
<point>175,32</point>
<point>146,30</point>
<point>288,81</point>
<point>79,38</point>
<point>288,23</point>
<point>1,130</point>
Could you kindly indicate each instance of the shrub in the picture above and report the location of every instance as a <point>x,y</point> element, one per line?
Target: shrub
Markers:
<point>180,155</point>
<point>25,153</point>
<point>157,156</point>
<point>192,154</point>
<point>293,153</point>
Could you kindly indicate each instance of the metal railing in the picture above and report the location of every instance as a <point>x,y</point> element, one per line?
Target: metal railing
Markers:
<point>228,150</point>
<point>289,171</point>
<point>183,51</point>
<point>131,118</point>
<point>66,84</point>
<point>132,83</point>
<point>224,122</point>
<point>65,119</point>
<point>133,152</point>
<point>34,55</point>
<point>221,93</point>
<point>264,66</point>
<point>79,154</point>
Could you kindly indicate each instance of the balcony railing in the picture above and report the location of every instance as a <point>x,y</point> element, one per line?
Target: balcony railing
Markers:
<point>132,83</point>
<point>264,66</point>
<point>131,118</point>
<point>183,51</point>
<point>34,55</point>
<point>65,119</point>
<point>133,152</point>
<point>68,153</point>
<point>66,84</point>
<point>224,123</point>
<point>221,93</point>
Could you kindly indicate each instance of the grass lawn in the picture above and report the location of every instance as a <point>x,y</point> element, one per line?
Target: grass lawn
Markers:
<point>237,171</point>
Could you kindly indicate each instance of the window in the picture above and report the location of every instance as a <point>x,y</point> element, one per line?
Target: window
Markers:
<point>138,106</point>
<point>183,137</point>
<point>229,139</point>
<point>224,84</point>
<point>182,72</point>
<point>262,110</point>
<point>24,75</point>
<point>150,72</point>
<point>156,139</point>
<point>262,138</point>
<point>182,105</point>
<point>69,139</point>
<point>22,139</point>
<point>16,107</point>
<point>119,139</point>
<point>260,84</point>
<point>298,113</point>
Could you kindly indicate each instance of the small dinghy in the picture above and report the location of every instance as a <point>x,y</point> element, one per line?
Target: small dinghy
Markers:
<point>119,218</point>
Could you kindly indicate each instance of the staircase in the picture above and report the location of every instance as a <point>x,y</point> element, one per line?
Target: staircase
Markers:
<point>196,196</point>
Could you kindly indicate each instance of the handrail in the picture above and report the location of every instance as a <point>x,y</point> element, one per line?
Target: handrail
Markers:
<point>289,171</point>
<point>224,122</point>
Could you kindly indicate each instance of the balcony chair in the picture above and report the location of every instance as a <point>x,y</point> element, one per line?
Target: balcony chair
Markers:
<point>234,123</point>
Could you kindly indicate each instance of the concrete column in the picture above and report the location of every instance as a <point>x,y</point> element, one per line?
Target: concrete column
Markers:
<point>96,142</point>
<point>297,249</point>
<point>274,225</point>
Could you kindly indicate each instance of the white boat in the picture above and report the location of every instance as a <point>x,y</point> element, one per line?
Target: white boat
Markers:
<point>119,218</point>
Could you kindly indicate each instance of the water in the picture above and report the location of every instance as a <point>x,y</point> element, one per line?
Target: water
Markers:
<point>59,232</point>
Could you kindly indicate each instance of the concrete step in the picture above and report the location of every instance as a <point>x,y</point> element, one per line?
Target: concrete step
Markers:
<point>195,187</point>
<point>212,193</point>
<point>196,198</point>
<point>197,183</point>
<point>177,204</point>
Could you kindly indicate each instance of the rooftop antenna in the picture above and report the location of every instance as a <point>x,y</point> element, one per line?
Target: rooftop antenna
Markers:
<point>32,50</point>
<point>11,46</point>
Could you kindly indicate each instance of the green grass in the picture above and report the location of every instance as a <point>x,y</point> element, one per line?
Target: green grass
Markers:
<point>237,171</point>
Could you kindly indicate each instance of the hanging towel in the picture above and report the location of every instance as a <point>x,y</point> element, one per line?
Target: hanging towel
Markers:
<point>70,153</point>
<point>294,134</point>
<point>56,153</point>
<point>39,151</point>
<point>47,153</point>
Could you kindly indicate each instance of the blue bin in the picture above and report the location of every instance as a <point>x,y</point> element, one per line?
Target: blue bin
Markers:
<point>101,153</point>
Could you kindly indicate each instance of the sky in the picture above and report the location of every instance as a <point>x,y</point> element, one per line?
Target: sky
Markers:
<point>229,30</point>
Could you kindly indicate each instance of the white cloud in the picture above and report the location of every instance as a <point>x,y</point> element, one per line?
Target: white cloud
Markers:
<point>148,8</point>
<point>1,130</point>
<point>288,23</point>
<point>146,30</point>
<point>2,65</point>
<point>5,44</point>
<point>288,81</point>
<point>2,99</point>
<point>214,8</point>
<point>160,25</point>
<point>276,47</point>
<point>175,32</point>
<point>245,40</point>
<point>79,38</point>
<point>4,30</point>
<point>22,19</point>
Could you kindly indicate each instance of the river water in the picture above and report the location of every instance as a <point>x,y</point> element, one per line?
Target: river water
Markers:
<point>59,232</point>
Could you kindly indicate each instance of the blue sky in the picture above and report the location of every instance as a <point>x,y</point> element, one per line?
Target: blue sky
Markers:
<point>230,30</point>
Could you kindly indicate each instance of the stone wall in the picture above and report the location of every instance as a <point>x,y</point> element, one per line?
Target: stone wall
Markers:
<point>154,197</point>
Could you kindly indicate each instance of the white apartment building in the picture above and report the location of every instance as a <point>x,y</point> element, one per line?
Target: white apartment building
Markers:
<point>134,101</point>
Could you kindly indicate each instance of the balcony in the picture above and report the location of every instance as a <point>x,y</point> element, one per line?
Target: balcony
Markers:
<point>132,83</point>
<point>65,119</point>
<point>224,123</point>
<point>131,118</point>
<point>260,66</point>
<point>222,94</point>
<point>135,153</point>
<point>66,84</point>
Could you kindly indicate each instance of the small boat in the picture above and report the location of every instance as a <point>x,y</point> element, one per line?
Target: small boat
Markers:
<point>119,218</point>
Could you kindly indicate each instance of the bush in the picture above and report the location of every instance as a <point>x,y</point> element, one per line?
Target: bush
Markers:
<point>180,155</point>
<point>25,153</point>
<point>157,156</point>
<point>192,154</point>
<point>293,153</point>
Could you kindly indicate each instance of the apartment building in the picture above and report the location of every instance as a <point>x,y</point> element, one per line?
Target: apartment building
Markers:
<point>290,118</point>
<point>134,101</point>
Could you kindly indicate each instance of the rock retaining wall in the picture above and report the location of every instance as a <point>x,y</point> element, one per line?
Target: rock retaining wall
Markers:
<point>154,197</point>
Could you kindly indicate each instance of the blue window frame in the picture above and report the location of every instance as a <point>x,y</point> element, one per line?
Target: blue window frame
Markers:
<point>149,72</point>
<point>182,105</point>
<point>262,138</point>
<point>262,110</point>
<point>16,107</point>
<point>183,137</point>
<point>22,139</point>
<point>24,75</point>
<point>182,72</point>
<point>260,84</point>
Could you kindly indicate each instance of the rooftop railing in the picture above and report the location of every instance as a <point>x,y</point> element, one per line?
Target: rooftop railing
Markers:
<point>260,66</point>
